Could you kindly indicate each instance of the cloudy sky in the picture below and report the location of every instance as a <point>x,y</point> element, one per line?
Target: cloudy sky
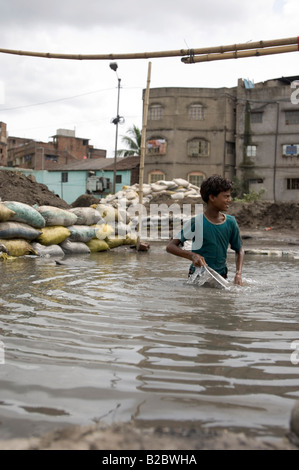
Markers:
<point>39,96</point>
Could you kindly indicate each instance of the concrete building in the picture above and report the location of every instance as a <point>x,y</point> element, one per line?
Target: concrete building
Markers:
<point>267,138</point>
<point>65,148</point>
<point>249,133</point>
<point>3,143</point>
<point>190,133</point>
<point>92,176</point>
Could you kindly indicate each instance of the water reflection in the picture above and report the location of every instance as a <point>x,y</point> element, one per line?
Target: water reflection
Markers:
<point>121,336</point>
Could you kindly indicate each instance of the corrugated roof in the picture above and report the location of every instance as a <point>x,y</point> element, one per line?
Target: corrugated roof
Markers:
<point>96,164</point>
<point>91,164</point>
<point>125,163</point>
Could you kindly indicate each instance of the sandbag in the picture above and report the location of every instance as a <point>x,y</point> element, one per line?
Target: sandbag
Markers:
<point>3,249</point>
<point>114,242</point>
<point>104,231</point>
<point>10,230</point>
<point>157,187</point>
<point>82,233</point>
<point>18,248</point>
<point>57,217</point>
<point>131,239</point>
<point>74,248</point>
<point>97,245</point>
<point>52,250</point>
<point>5,213</point>
<point>109,213</point>
<point>53,235</point>
<point>87,216</point>
<point>25,214</point>
<point>181,182</point>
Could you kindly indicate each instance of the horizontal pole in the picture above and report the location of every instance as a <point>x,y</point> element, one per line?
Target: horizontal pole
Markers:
<point>240,54</point>
<point>159,54</point>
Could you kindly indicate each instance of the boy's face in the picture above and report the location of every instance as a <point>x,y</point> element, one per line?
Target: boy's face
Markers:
<point>222,201</point>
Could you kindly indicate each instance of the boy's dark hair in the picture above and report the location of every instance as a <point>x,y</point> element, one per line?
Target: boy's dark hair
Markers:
<point>214,185</point>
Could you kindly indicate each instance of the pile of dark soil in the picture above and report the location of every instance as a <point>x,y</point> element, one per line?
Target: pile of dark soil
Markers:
<point>263,215</point>
<point>85,200</point>
<point>14,186</point>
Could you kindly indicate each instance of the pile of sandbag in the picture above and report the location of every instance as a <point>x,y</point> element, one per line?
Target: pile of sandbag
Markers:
<point>50,231</point>
<point>177,189</point>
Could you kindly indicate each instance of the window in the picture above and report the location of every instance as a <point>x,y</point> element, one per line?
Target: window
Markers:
<point>198,148</point>
<point>230,148</point>
<point>156,147</point>
<point>251,150</point>
<point>292,117</point>
<point>52,158</point>
<point>64,177</point>
<point>290,150</point>
<point>196,112</point>
<point>118,179</point>
<point>292,183</point>
<point>196,178</point>
<point>155,112</point>
<point>155,176</point>
<point>256,118</point>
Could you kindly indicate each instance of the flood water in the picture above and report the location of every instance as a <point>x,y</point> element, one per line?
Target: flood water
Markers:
<point>120,336</point>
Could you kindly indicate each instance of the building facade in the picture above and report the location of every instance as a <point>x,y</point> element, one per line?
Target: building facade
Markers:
<point>65,148</point>
<point>267,139</point>
<point>190,134</point>
<point>248,133</point>
<point>3,143</point>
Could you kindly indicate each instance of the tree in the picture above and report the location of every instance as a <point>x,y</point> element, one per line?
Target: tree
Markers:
<point>133,142</point>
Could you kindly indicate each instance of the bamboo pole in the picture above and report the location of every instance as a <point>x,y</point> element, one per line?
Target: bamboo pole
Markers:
<point>159,54</point>
<point>143,149</point>
<point>240,54</point>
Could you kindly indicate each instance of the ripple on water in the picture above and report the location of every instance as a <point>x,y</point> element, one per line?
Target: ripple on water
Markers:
<point>120,337</point>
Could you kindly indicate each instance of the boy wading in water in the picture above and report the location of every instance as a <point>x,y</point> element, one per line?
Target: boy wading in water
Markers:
<point>211,232</point>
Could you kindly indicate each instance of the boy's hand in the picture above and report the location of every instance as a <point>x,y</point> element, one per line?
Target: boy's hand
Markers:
<point>238,279</point>
<point>198,260</point>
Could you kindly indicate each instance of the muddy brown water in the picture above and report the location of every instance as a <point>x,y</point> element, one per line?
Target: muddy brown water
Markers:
<point>120,336</point>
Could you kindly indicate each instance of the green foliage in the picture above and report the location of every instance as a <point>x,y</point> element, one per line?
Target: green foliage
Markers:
<point>252,196</point>
<point>133,141</point>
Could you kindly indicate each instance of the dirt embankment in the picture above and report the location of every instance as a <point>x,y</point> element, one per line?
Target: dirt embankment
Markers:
<point>17,187</point>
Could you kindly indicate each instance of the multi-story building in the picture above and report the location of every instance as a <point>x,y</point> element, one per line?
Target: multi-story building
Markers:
<point>249,133</point>
<point>190,133</point>
<point>65,148</point>
<point>3,143</point>
<point>267,138</point>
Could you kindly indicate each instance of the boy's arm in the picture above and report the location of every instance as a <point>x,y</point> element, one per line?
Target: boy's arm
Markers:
<point>239,265</point>
<point>174,248</point>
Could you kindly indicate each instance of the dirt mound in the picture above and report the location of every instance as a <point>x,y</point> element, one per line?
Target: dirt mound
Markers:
<point>14,186</point>
<point>262,214</point>
<point>86,200</point>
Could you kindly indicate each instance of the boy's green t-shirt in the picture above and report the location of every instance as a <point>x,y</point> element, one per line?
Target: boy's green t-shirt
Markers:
<point>212,240</point>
